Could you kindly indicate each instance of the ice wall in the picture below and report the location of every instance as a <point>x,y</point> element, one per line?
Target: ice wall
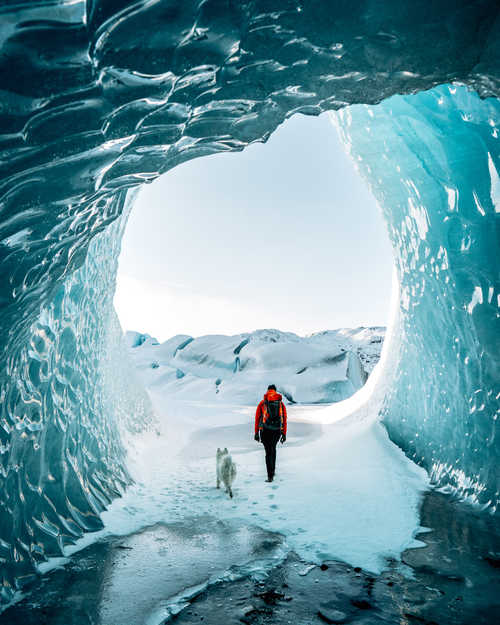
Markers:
<point>68,398</point>
<point>433,162</point>
<point>99,96</point>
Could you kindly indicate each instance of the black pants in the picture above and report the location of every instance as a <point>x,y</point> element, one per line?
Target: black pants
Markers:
<point>269,439</point>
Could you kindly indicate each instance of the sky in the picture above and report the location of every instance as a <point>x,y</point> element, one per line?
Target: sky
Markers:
<point>282,235</point>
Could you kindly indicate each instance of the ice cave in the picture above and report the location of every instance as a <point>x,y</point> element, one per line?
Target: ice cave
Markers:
<point>99,97</point>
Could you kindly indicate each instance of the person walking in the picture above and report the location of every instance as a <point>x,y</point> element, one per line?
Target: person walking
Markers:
<point>270,426</point>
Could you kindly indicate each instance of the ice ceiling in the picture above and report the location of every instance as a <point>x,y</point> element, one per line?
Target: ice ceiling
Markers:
<point>101,96</point>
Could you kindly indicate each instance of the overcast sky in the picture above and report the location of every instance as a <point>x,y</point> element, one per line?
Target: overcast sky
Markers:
<point>282,235</point>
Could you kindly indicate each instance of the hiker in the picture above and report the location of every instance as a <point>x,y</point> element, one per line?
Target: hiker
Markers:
<point>270,426</point>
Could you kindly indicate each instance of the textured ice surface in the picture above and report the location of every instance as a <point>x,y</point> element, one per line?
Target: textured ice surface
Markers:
<point>66,394</point>
<point>324,367</point>
<point>433,161</point>
<point>100,96</point>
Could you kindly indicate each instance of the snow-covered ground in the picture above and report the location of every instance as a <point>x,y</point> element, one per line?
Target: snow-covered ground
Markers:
<point>322,368</point>
<point>343,490</point>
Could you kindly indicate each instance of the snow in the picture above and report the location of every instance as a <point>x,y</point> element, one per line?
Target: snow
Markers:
<point>324,367</point>
<point>342,491</point>
<point>335,482</point>
<point>334,486</point>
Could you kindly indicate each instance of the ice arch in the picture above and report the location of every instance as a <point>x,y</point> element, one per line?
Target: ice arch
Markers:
<point>100,96</point>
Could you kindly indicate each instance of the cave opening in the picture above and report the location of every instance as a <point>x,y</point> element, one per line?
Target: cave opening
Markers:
<point>438,190</point>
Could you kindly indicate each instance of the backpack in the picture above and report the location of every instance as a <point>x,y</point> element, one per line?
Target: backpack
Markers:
<point>272,415</point>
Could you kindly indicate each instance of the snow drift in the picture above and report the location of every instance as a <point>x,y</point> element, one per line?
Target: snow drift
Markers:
<point>99,97</point>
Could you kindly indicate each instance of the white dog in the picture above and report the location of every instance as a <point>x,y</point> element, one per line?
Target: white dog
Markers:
<point>226,470</point>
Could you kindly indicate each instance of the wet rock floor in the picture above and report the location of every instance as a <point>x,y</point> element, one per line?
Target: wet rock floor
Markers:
<point>453,580</point>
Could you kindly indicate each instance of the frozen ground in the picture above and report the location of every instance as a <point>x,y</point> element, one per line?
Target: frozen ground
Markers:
<point>343,492</point>
<point>338,475</point>
<point>335,481</point>
<point>207,570</point>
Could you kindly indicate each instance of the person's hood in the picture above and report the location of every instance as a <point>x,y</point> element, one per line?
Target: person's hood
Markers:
<point>272,396</point>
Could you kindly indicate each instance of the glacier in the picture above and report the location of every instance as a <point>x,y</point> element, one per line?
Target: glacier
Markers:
<point>74,391</point>
<point>325,367</point>
<point>441,200</point>
<point>100,96</point>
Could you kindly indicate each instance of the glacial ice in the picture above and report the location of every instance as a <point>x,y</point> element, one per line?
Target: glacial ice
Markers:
<point>432,160</point>
<point>67,393</point>
<point>98,97</point>
<point>324,367</point>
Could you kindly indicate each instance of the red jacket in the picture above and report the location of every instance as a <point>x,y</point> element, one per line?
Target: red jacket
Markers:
<point>270,396</point>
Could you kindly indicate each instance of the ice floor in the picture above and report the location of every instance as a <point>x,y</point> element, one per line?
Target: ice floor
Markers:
<point>342,490</point>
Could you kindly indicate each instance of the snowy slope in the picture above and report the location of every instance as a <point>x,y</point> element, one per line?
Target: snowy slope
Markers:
<point>366,342</point>
<point>322,368</point>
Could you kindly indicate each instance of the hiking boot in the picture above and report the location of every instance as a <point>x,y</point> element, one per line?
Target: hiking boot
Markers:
<point>269,479</point>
